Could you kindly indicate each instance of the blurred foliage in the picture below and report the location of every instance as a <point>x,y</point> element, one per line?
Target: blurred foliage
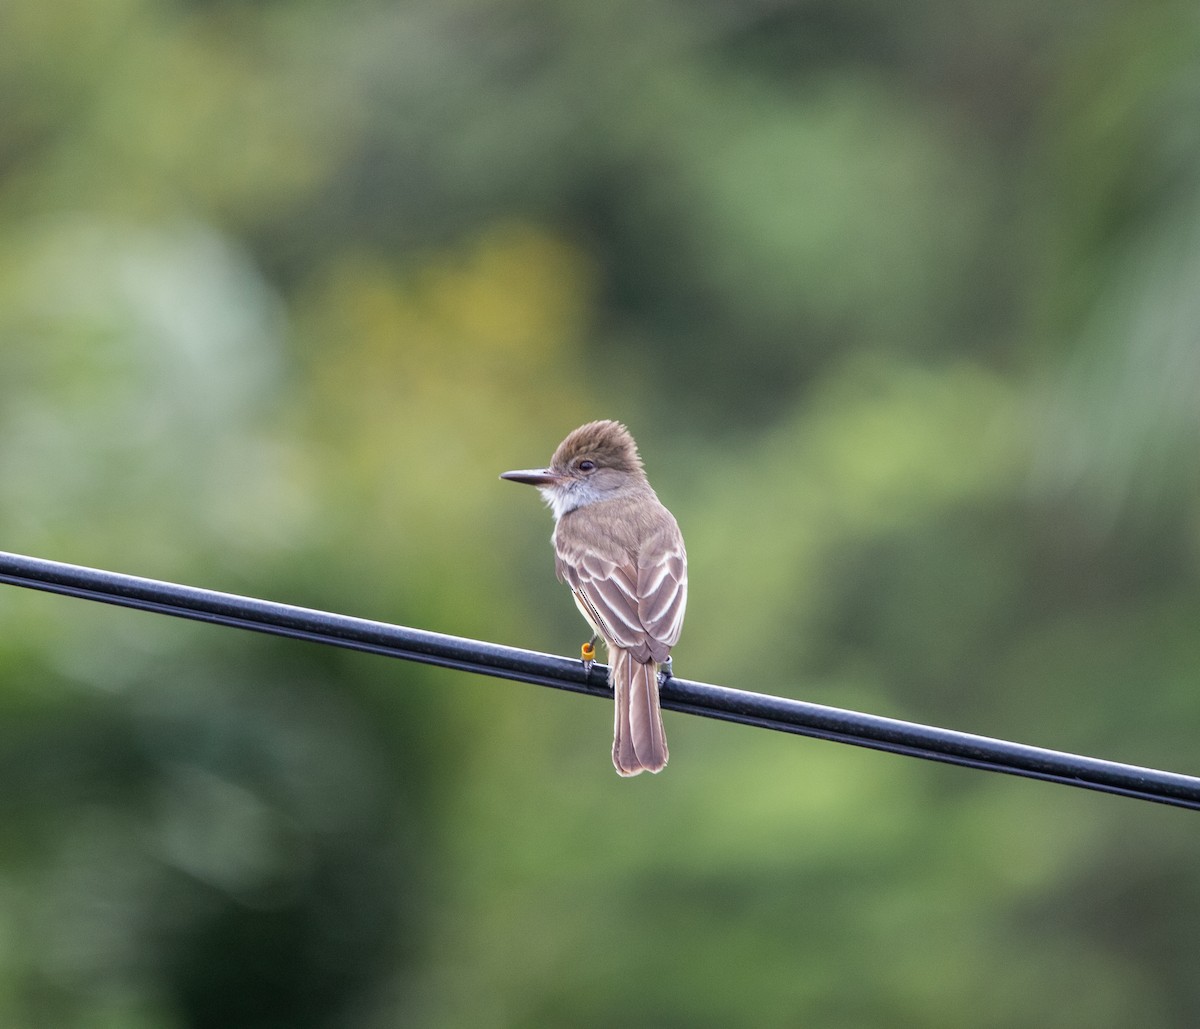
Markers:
<point>902,304</point>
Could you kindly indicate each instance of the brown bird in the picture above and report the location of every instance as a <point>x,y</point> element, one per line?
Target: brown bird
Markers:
<point>622,554</point>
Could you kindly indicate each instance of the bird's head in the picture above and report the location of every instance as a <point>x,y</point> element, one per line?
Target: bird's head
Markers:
<point>596,462</point>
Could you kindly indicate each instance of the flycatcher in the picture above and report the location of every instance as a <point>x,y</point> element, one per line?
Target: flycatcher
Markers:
<point>622,554</point>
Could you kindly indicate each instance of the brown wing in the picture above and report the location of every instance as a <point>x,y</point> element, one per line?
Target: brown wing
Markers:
<point>638,607</point>
<point>662,590</point>
<point>607,589</point>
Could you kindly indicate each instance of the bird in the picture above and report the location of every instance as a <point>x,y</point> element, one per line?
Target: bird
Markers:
<point>622,554</point>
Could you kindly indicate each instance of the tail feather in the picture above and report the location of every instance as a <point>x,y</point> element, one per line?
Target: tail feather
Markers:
<point>639,742</point>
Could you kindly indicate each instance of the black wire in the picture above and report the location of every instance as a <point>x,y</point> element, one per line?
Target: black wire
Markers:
<point>768,712</point>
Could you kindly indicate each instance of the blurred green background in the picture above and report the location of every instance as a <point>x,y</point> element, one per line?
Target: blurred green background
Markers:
<point>902,302</point>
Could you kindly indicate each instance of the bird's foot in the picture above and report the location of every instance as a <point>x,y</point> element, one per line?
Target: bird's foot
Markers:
<point>588,654</point>
<point>664,670</point>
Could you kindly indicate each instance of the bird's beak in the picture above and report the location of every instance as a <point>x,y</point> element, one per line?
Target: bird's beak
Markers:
<point>532,476</point>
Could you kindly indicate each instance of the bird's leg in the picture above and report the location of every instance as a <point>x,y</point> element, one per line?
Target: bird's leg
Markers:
<point>588,653</point>
<point>664,670</point>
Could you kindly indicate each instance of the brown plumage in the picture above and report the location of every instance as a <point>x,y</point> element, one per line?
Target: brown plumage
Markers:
<point>607,443</point>
<point>622,554</point>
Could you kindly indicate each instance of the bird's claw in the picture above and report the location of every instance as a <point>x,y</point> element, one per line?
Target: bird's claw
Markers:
<point>664,670</point>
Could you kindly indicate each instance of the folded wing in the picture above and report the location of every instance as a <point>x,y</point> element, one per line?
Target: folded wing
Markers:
<point>636,603</point>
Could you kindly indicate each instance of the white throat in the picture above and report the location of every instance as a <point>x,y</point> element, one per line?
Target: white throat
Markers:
<point>563,499</point>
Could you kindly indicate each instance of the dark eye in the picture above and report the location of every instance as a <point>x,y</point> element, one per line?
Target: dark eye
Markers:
<point>587,466</point>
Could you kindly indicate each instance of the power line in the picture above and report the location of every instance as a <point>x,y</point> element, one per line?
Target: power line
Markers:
<point>468,655</point>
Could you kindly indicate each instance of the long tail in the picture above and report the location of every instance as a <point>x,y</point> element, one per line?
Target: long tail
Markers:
<point>639,742</point>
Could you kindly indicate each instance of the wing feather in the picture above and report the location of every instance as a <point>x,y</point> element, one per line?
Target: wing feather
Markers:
<point>662,593</point>
<point>634,591</point>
